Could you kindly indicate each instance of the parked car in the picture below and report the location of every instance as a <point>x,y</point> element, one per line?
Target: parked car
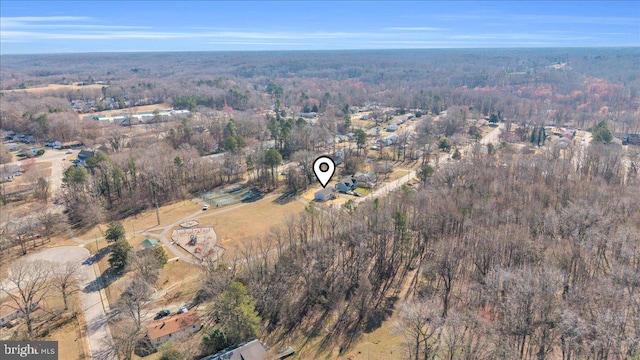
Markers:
<point>182,310</point>
<point>206,207</point>
<point>161,314</point>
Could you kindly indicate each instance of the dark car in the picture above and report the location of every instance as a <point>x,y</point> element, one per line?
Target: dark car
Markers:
<point>161,314</point>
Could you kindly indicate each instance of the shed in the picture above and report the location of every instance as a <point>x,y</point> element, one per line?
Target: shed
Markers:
<point>149,243</point>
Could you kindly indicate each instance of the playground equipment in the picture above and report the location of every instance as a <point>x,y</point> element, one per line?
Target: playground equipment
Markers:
<point>193,239</point>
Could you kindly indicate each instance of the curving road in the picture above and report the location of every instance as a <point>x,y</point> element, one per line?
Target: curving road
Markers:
<point>100,340</point>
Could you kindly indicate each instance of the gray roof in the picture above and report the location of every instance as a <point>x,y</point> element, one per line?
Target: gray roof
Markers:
<point>325,191</point>
<point>251,350</point>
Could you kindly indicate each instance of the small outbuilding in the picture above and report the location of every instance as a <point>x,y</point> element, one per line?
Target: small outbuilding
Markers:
<point>149,243</point>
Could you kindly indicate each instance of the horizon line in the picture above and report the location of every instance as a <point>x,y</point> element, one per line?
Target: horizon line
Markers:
<point>324,50</point>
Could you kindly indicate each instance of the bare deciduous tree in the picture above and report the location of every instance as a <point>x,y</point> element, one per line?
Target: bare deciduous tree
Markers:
<point>133,300</point>
<point>64,279</point>
<point>27,286</point>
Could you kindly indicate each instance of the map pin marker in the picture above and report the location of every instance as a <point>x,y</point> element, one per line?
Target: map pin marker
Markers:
<point>324,168</point>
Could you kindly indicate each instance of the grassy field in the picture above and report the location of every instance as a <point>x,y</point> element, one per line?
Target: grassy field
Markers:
<point>42,168</point>
<point>71,338</point>
<point>237,228</point>
<point>175,272</point>
<point>131,110</point>
<point>169,214</point>
<point>386,342</point>
<point>54,87</point>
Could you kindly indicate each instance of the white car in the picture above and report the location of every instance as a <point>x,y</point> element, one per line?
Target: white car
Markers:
<point>206,207</point>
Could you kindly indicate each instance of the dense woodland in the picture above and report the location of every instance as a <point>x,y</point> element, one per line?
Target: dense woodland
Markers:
<point>499,255</point>
<point>516,257</point>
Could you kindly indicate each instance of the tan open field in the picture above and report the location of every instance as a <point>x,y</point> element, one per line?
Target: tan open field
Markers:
<point>169,214</point>
<point>245,225</point>
<point>131,110</point>
<point>70,337</point>
<point>55,87</point>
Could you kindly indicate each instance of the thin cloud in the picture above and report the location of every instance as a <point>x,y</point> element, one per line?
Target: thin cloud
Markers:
<point>23,21</point>
<point>552,19</point>
<point>232,42</point>
<point>415,28</point>
<point>10,35</point>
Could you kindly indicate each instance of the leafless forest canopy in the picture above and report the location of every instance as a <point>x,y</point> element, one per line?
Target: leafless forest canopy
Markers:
<point>502,254</point>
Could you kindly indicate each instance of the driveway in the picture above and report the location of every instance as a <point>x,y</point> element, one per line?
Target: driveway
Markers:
<point>100,341</point>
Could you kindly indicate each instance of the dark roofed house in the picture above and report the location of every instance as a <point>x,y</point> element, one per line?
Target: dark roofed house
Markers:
<point>336,159</point>
<point>368,179</point>
<point>250,350</point>
<point>85,154</point>
<point>347,185</point>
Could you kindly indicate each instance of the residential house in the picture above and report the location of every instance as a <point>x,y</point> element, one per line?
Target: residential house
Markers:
<point>5,177</point>
<point>250,350</point>
<point>8,314</point>
<point>347,185</point>
<point>367,179</point>
<point>325,194</point>
<point>336,159</point>
<point>175,327</point>
<point>85,154</point>
<point>308,115</point>
<point>388,141</point>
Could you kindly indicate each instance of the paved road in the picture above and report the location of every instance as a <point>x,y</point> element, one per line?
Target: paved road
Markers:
<point>100,340</point>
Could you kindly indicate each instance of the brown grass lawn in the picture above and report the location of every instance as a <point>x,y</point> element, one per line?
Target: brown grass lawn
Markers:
<point>71,338</point>
<point>363,124</point>
<point>240,227</point>
<point>397,174</point>
<point>169,214</point>
<point>53,87</point>
<point>43,169</point>
<point>102,243</point>
<point>385,342</point>
<point>132,110</point>
<point>175,272</point>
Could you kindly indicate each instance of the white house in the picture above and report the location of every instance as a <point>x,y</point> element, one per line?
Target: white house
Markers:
<point>8,314</point>
<point>174,327</point>
<point>325,194</point>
